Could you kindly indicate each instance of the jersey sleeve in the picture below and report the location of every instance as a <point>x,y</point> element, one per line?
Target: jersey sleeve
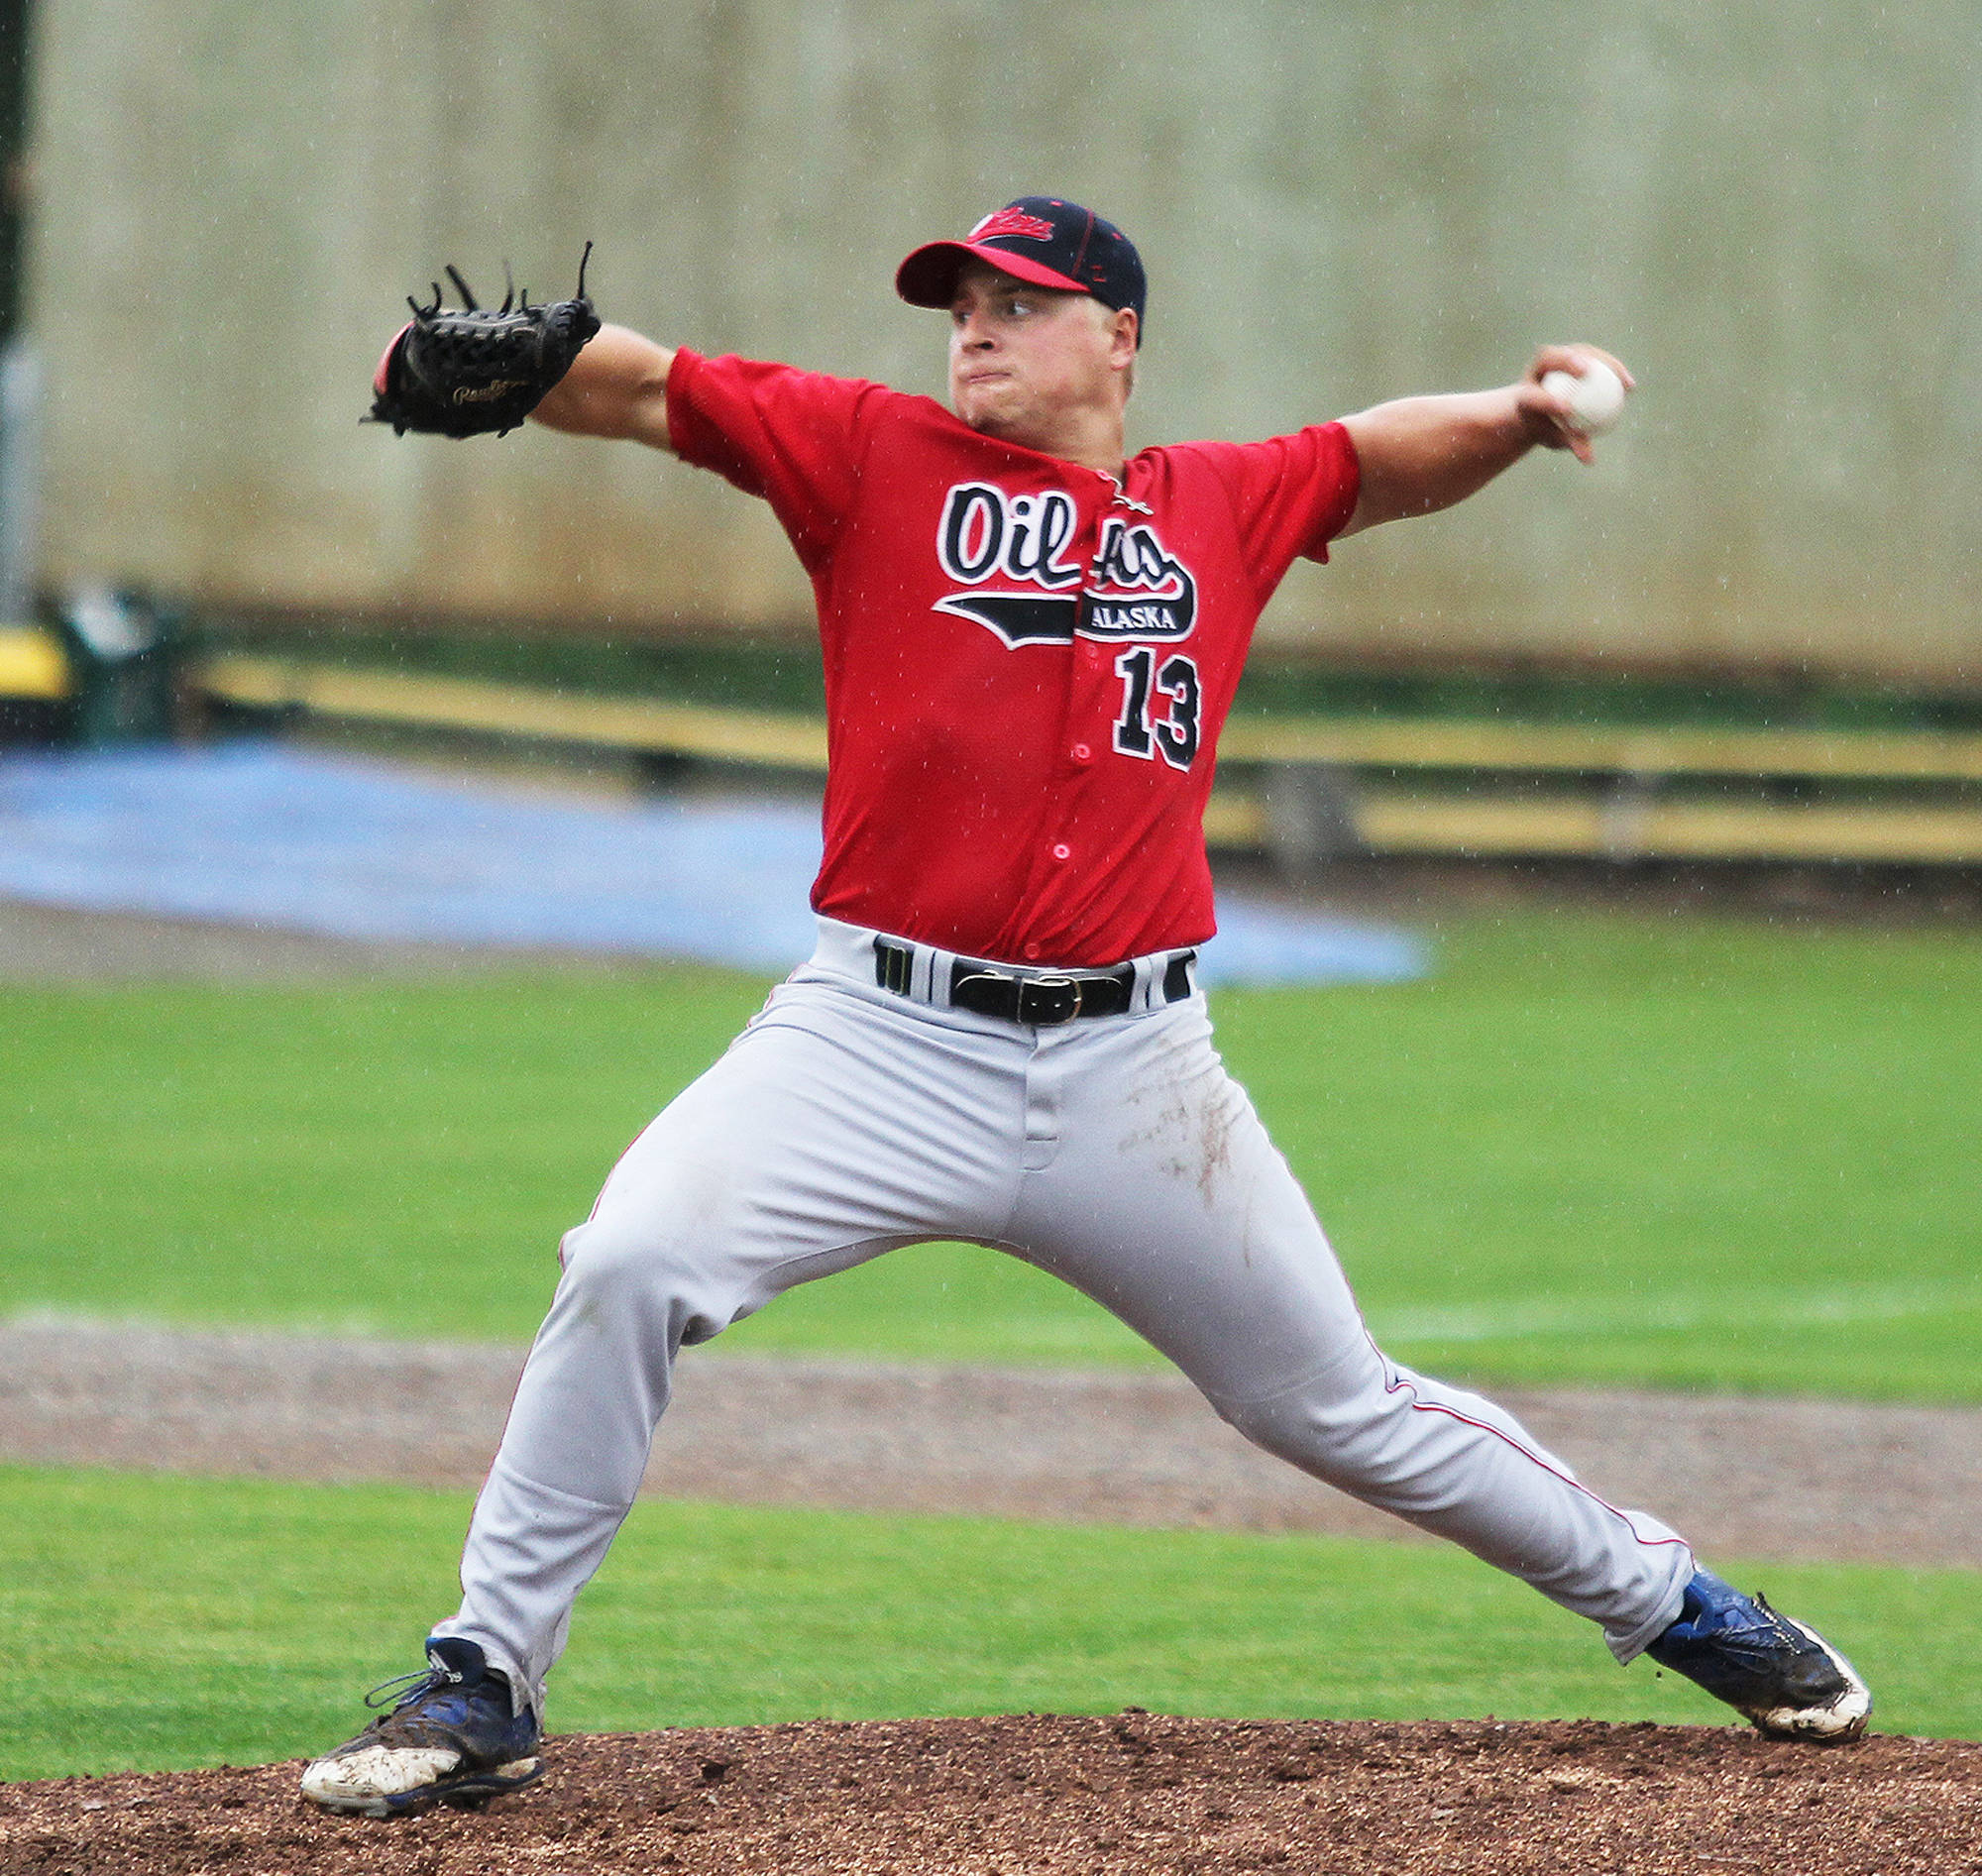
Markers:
<point>795,438</point>
<point>1290,497</point>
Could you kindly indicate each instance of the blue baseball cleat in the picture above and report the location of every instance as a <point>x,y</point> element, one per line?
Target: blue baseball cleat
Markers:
<point>1784,1676</point>
<point>451,1738</point>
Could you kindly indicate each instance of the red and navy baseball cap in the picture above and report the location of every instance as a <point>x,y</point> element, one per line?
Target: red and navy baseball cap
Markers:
<point>1040,239</point>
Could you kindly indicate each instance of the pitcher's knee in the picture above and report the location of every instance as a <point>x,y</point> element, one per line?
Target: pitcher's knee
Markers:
<point>624,1272</point>
<point>1342,1427</point>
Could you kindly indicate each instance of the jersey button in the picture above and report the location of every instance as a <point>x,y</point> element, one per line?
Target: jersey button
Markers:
<point>1081,752</point>
<point>1062,851</point>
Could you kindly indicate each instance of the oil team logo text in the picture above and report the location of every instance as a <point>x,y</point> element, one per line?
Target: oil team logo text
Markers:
<point>993,541</point>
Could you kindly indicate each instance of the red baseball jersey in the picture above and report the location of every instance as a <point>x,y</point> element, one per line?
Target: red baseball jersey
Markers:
<point>1026,663</point>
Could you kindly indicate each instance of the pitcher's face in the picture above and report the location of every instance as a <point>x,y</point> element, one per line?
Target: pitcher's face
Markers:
<point>1024,357</point>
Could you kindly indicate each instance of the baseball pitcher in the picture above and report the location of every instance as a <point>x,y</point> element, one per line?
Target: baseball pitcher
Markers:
<point>1031,642</point>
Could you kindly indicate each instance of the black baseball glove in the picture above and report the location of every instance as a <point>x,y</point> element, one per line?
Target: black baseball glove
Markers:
<point>467,373</point>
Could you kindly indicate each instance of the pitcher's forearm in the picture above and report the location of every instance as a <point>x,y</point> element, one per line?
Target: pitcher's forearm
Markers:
<point>1422,454</point>
<point>617,387</point>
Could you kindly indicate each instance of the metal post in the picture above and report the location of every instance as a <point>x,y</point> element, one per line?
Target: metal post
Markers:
<point>20,479</point>
<point>20,369</point>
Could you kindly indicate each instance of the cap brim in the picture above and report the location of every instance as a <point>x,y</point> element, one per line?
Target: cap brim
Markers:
<point>928,277</point>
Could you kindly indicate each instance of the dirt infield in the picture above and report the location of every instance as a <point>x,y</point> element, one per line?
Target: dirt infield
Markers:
<point>1042,1796</point>
<point>1816,1479</point>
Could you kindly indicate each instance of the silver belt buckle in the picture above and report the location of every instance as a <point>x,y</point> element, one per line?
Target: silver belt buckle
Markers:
<point>1047,1002</point>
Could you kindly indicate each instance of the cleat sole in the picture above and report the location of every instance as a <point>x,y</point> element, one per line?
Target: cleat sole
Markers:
<point>471,1791</point>
<point>1838,1722</point>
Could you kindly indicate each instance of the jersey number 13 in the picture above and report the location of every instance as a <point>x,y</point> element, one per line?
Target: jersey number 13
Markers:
<point>1172,736</point>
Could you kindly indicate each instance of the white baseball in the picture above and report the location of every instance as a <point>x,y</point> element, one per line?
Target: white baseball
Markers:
<point>1595,399</point>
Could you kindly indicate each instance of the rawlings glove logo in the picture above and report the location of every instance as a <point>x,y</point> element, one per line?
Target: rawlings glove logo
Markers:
<point>484,393</point>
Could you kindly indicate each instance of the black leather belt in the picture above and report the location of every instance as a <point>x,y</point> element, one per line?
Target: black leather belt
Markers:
<point>1044,998</point>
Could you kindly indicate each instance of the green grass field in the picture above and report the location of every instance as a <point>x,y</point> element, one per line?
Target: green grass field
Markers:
<point>159,1622</point>
<point>1671,1152</point>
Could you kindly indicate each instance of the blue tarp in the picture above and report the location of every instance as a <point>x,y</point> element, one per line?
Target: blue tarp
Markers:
<point>262,834</point>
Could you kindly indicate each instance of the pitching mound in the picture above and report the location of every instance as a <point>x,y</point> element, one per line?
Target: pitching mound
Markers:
<point>1131,1793</point>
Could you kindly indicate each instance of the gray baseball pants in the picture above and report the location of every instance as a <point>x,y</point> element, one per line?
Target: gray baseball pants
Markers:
<point>1114,1152</point>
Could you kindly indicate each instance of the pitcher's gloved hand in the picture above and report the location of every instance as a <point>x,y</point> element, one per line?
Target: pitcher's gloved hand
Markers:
<point>473,371</point>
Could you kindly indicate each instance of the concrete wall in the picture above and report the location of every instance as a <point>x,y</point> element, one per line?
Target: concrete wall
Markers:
<point>1774,215</point>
